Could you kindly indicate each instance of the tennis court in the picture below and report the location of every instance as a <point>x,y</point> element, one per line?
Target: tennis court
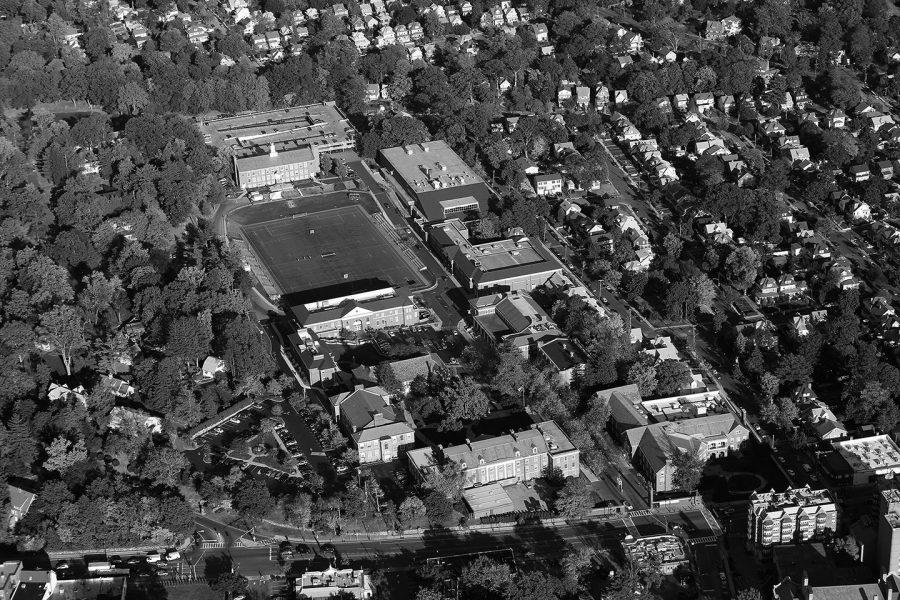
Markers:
<point>327,248</point>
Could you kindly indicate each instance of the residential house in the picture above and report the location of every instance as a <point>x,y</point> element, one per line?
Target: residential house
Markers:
<point>877,120</point>
<point>548,184</point>
<point>860,173</point>
<point>540,32</point>
<point>582,96</point>
<point>601,97</point>
<point>886,169</point>
<point>20,502</point>
<point>836,119</point>
<point>715,30</point>
<point>703,101</point>
<point>725,103</point>
<point>732,25</point>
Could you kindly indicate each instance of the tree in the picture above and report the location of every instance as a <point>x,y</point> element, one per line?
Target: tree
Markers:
<point>62,454</point>
<point>253,498</point>
<point>576,561</point>
<point>749,594</point>
<point>643,373</point>
<point>189,339</point>
<point>463,401</point>
<point>438,508</point>
<point>446,478</point>
<point>62,329</point>
<point>787,413</point>
<point>704,292</point>
<point>769,385</point>
<point>411,510</point>
<point>741,267</point>
<point>842,87</point>
<point>229,585</point>
<point>575,499</point>
<point>485,577</point>
<point>387,379</point>
<point>163,465</point>
<point>671,376</point>
<point>848,545</point>
<point>875,405</point>
<point>688,470</point>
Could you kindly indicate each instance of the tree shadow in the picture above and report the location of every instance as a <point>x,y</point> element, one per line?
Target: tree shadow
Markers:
<point>217,565</point>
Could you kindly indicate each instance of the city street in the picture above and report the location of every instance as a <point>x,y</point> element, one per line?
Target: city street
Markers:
<point>401,551</point>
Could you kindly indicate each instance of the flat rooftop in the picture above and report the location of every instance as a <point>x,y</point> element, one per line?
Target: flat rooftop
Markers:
<point>876,453</point>
<point>790,497</point>
<point>429,166</point>
<point>328,249</point>
<point>287,128</point>
<point>505,253</point>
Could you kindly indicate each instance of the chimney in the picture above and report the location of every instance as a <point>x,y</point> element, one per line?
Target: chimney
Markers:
<point>469,443</point>
<point>512,434</point>
<point>272,152</point>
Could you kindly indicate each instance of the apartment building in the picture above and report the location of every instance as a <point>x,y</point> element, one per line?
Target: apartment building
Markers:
<point>795,515</point>
<point>518,456</point>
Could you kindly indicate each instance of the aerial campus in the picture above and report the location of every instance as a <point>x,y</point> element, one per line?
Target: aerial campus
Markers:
<point>479,299</point>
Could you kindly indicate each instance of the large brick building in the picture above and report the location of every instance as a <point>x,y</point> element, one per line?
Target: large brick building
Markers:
<point>439,182</point>
<point>379,309</point>
<point>516,457</point>
<point>279,146</point>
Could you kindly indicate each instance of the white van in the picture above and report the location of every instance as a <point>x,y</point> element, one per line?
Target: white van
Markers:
<point>153,557</point>
<point>174,555</point>
<point>94,567</point>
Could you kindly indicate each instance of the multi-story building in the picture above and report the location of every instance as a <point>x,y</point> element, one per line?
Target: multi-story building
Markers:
<point>795,515</point>
<point>518,456</point>
<point>889,531</point>
<point>378,429</point>
<point>280,146</point>
<point>354,583</point>
<point>377,309</point>
<point>437,180</point>
<point>515,318</point>
<point>863,461</point>
<point>517,263</point>
<point>697,422</point>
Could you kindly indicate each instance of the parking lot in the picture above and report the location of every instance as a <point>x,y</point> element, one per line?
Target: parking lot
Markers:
<point>286,430</point>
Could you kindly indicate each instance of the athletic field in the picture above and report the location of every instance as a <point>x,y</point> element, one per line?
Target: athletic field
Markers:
<point>328,248</point>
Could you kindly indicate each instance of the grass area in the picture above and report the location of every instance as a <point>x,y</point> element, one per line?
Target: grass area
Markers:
<point>310,252</point>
